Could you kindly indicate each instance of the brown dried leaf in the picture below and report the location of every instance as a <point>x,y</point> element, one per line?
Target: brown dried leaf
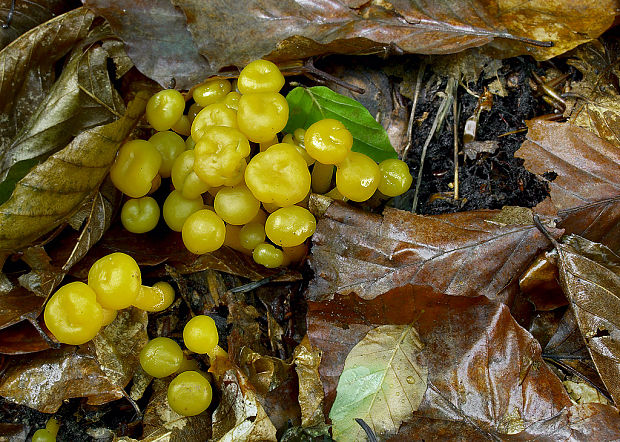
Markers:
<point>459,254</point>
<point>57,188</point>
<point>240,416</point>
<point>307,360</point>
<point>292,29</point>
<point>118,345</point>
<point>156,39</point>
<point>22,338</point>
<point>27,15</point>
<point>540,283</point>
<point>83,97</point>
<point>485,374</point>
<point>28,67</point>
<point>600,111</point>
<point>44,380</point>
<point>17,305</point>
<point>586,190</point>
<point>590,277</point>
<point>161,423</point>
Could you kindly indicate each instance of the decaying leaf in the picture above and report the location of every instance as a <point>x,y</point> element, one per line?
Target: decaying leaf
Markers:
<point>485,372</point>
<point>307,360</point>
<point>28,67</point>
<point>83,97</point>
<point>156,39</point>
<point>309,105</point>
<point>590,277</point>
<point>583,393</point>
<point>595,103</point>
<point>293,29</point>
<point>240,416</point>
<point>55,189</point>
<point>161,423</point>
<point>583,173</point>
<point>459,253</point>
<point>17,305</point>
<point>117,346</point>
<point>383,382</point>
<point>22,338</point>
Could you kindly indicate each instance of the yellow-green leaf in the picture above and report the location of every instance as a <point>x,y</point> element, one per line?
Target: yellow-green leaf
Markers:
<point>56,188</point>
<point>383,382</point>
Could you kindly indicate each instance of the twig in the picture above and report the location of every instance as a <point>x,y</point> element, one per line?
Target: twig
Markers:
<point>558,362</point>
<point>9,16</point>
<point>416,95</point>
<point>33,320</point>
<point>441,114</point>
<point>456,144</point>
<point>545,232</point>
<point>369,433</point>
<point>309,67</point>
<point>255,284</point>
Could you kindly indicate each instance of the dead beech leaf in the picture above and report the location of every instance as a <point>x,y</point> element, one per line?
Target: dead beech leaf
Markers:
<point>161,423</point>
<point>586,190</point>
<point>117,346</point>
<point>485,372</point>
<point>600,111</point>
<point>156,39</point>
<point>27,15</point>
<point>44,380</point>
<point>294,29</point>
<point>22,338</point>
<point>240,416</point>
<point>587,167</point>
<point>28,67</point>
<point>83,97</point>
<point>459,254</point>
<point>55,189</point>
<point>307,360</point>
<point>383,381</point>
<point>590,277</point>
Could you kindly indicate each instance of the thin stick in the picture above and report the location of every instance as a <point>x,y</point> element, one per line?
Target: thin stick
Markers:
<point>309,67</point>
<point>441,113</point>
<point>9,16</point>
<point>416,95</point>
<point>456,145</point>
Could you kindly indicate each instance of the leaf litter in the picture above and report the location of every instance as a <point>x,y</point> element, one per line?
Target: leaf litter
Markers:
<point>448,284</point>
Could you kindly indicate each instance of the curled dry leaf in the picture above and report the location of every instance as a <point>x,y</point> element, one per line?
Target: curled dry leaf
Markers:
<point>117,346</point>
<point>44,380</point>
<point>459,254</point>
<point>596,103</point>
<point>57,188</point>
<point>83,97</point>
<point>307,360</point>
<point>293,29</point>
<point>156,39</point>
<point>28,67</point>
<point>584,177</point>
<point>590,277</point>
<point>240,416</point>
<point>161,423</point>
<point>383,381</point>
<point>485,372</point>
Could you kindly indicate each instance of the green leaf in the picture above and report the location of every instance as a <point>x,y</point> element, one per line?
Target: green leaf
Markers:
<point>383,382</point>
<point>309,105</point>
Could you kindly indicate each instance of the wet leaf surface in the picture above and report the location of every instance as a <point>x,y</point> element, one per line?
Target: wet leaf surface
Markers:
<point>22,338</point>
<point>240,416</point>
<point>309,105</point>
<point>55,189</point>
<point>156,39</point>
<point>583,173</point>
<point>459,254</point>
<point>17,305</point>
<point>590,277</point>
<point>383,381</point>
<point>28,68</point>
<point>486,377</point>
<point>285,30</point>
<point>83,97</point>
<point>162,423</point>
<point>307,360</point>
